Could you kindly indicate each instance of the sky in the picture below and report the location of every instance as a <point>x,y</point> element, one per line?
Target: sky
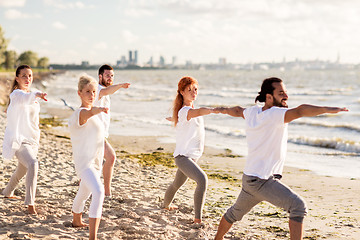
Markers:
<point>201,31</point>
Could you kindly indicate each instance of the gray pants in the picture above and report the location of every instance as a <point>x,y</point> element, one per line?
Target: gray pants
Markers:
<point>254,190</point>
<point>27,164</point>
<point>188,168</point>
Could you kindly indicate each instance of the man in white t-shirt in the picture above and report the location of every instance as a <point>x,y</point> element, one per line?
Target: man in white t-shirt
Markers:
<point>105,89</point>
<point>266,135</point>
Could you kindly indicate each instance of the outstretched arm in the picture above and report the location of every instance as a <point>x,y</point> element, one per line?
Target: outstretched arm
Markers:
<point>112,89</point>
<point>86,114</point>
<point>232,111</point>
<point>306,110</point>
<point>192,113</point>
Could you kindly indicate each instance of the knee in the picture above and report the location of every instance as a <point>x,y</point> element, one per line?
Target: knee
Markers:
<point>233,215</point>
<point>202,181</point>
<point>298,209</point>
<point>33,166</point>
<point>99,193</point>
<point>110,159</point>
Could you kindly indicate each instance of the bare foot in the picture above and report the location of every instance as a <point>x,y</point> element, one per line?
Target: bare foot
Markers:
<point>77,221</point>
<point>171,208</point>
<point>80,225</point>
<point>13,197</point>
<point>31,209</point>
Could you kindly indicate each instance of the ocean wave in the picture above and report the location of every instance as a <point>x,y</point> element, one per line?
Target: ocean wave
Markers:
<point>348,126</point>
<point>226,131</point>
<point>331,143</point>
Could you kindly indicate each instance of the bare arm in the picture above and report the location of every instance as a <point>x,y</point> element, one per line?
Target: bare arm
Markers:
<point>86,114</point>
<point>232,111</point>
<point>112,89</point>
<point>306,110</point>
<point>192,113</point>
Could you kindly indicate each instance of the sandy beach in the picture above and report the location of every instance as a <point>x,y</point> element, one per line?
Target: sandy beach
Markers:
<point>140,180</point>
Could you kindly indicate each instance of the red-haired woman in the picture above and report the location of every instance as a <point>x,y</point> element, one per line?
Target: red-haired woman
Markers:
<point>190,136</point>
<point>22,135</point>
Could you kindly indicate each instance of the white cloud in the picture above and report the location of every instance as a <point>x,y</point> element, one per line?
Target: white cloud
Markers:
<point>64,5</point>
<point>12,3</point>
<point>59,25</point>
<point>16,14</point>
<point>172,23</point>
<point>138,12</point>
<point>101,46</point>
<point>128,36</point>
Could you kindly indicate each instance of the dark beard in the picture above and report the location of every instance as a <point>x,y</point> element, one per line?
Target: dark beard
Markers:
<point>279,104</point>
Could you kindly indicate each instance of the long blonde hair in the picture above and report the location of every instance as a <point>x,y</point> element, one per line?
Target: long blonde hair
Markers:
<point>179,100</point>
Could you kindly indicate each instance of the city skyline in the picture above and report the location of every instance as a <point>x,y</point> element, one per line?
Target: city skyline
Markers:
<point>199,31</point>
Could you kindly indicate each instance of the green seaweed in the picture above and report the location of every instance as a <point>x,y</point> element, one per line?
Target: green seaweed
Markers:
<point>51,122</point>
<point>153,159</point>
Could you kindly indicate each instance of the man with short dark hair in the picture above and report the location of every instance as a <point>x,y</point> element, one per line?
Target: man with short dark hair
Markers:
<point>266,134</point>
<point>105,89</point>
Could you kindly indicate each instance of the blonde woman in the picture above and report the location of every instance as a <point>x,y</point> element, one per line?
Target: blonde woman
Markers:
<point>22,135</point>
<point>190,136</point>
<point>87,138</point>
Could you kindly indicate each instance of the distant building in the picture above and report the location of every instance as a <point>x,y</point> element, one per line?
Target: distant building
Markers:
<point>173,63</point>
<point>161,61</point>
<point>222,61</point>
<point>130,57</point>
<point>135,57</point>
<point>85,63</point>
<point>150,62</point>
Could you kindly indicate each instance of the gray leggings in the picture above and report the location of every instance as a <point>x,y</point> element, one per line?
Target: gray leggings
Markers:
<point>27,164</point>
<point>254,190</point>
<point>188,168</point>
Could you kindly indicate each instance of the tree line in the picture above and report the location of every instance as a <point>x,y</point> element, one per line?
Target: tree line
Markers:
<point>9,59</point>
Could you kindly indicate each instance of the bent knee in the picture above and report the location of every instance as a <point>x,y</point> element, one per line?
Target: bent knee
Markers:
<point>298,209</point>
<point>202,180</point>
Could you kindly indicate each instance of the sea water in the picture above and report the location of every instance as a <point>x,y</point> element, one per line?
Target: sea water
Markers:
<point>328,144</point>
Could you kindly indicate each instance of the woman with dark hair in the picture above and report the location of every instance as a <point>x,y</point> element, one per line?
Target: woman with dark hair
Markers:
<point>190,136</point>
<point>22,135</point>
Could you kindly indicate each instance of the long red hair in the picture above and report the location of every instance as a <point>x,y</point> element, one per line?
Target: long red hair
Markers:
<point>179,100</point>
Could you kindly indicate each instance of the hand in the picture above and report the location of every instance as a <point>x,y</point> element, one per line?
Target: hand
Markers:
<point>105,110</point>
<point>336,109</point>
<point>169,119</point>
<point>41,95</point>
<point>125,85</point>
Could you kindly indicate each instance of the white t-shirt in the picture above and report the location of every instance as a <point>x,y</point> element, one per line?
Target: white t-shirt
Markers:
<point>104,102</point>
<point>87,142</point>
<point>22,122</point>
<point>190,135</point>
<point>266,135</point>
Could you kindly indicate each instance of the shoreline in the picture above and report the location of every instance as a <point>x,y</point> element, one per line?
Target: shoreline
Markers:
<point>135,211</point>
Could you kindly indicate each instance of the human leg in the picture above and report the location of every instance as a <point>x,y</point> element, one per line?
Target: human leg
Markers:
<point>277,193</point>
<point>244,203</point>
<point>192,170</point>
<point>90,184</point>
<point>94,224</point>
<point>27,164</point>
<point>224,227</point>
<point>20,171</point>
<point>296,230</point>
<point>179,180</point>
<point>108,168</point>
<point>78,205</point>
<point>27,156</point>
